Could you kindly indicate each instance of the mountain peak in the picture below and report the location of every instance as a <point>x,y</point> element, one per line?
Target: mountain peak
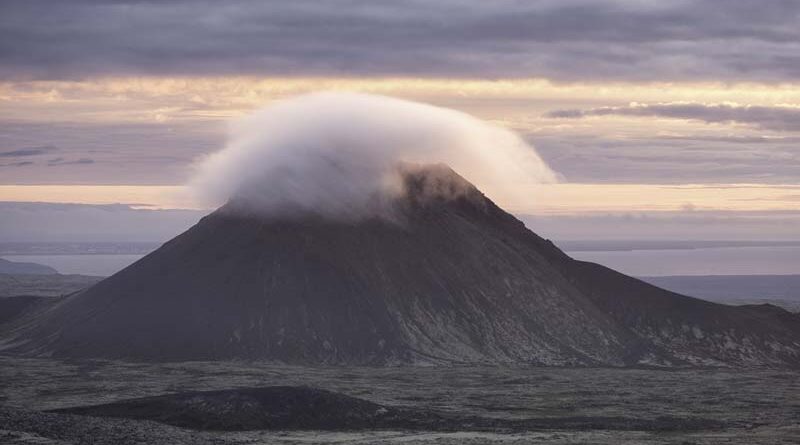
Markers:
<point>410,188</point>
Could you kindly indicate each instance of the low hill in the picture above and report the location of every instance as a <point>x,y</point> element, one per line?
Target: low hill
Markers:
<point>21,268</point>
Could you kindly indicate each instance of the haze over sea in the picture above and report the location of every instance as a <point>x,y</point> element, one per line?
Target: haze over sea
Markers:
<point>656,259</point>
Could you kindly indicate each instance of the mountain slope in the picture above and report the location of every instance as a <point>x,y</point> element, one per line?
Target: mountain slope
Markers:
<point>452,278</point>
<point>689,329</point>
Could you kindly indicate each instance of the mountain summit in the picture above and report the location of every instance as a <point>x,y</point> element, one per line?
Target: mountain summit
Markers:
<point>449,278</point>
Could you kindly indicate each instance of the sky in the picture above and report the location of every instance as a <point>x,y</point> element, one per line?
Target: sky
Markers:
<point>664,120</point>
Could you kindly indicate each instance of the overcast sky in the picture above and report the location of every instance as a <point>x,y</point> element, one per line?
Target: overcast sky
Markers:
<point>559,39</point>
<point>645,108</point>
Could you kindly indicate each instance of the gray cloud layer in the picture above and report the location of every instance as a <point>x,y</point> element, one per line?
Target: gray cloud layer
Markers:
<point>62,161</point>
<point>779,118</point>
<point>671,160</point>
<point>133,153</point>
<point>27,151</point>
<point>137,155</point>
<point>564,40</point>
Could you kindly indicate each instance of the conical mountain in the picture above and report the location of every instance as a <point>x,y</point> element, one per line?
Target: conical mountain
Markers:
<point>450,278</point>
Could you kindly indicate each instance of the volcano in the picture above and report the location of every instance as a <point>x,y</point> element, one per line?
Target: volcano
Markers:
<point>449,278</point>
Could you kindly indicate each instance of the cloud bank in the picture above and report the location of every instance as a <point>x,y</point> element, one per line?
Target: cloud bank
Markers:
<point>779,118</point>
<point>564,40</point>
<point>671,159</point>
<point>28,151</point>
<point>336,154</point>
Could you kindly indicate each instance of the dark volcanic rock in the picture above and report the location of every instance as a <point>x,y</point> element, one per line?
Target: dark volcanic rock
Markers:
<point>274,407</point>
<point>18,426</point>
<point>304,408</point>
<point>452,278</point>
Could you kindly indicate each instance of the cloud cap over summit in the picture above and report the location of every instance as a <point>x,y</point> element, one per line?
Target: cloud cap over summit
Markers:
<point>337,154</point>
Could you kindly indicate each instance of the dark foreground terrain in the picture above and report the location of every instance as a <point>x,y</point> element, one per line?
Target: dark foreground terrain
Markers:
<point>38,400</point>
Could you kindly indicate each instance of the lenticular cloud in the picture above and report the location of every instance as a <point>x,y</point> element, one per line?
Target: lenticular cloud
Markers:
<point>335,154</point>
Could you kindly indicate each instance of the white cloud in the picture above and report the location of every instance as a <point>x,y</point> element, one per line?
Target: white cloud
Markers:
<point>337,153</point>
